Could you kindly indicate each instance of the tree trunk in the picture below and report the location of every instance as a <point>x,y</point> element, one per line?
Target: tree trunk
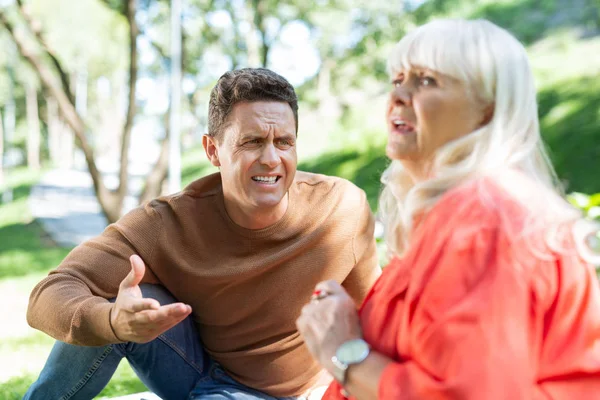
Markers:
<point>33,129</point>
<point>130,12</point>
<point>157,176</point>
<point>66,147</point>
<point>259,23</point>
<point>1,152</point>
<point>251,41</point>
<point>109,203</point>
<point>54,127</point>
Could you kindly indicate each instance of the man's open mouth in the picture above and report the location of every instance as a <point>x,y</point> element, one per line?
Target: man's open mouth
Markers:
<point>266,179</point>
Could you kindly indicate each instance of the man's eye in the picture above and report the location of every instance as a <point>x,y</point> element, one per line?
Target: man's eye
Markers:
<point>253,141</point>
<point>397,83</point>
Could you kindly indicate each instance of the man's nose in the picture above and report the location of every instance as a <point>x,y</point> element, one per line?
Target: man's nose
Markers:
<point>269,156</point>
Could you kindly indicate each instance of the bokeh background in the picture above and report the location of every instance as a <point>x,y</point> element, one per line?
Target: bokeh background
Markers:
<point>90,93</point>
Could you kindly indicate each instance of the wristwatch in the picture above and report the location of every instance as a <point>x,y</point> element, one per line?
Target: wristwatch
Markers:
<point>349,353</point>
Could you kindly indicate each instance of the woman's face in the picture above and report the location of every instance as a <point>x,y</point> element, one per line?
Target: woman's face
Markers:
<point>426,110</point>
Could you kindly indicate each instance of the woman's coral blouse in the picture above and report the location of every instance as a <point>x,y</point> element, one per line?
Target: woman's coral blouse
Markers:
<point>472,312</point>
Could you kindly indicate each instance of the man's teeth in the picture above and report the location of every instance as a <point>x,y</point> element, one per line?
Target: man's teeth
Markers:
<point>267,179</point>
<point>399,123</point>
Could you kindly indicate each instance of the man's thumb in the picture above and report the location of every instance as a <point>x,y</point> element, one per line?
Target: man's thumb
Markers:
<point>138,269</point>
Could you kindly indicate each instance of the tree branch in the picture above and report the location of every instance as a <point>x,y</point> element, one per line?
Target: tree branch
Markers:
<point>107,202</point>
<point>131,107</point>
<point>158,174</point>
<point>35,27</point>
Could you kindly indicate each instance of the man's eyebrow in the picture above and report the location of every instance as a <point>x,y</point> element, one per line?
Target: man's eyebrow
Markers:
<point>288,136</point>
<point>251,135</point>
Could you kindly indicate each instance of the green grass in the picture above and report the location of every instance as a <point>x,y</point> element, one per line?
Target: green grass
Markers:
<point>26,256</point>
<point>124,382</point>
<point>24,248</point>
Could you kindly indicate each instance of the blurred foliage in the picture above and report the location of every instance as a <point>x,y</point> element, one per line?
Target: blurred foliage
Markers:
<point>570,122</point>
<point>363,167</point>
<point>589,204</point>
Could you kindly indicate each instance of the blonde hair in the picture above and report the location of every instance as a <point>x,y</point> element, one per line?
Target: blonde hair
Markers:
<point>495,69</point>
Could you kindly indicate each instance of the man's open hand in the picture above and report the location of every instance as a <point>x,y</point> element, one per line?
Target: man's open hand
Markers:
<point>136,319</point>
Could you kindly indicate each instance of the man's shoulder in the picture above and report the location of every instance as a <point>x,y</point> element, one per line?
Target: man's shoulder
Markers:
<point>333,188</point>
<point>207,186</point>
<point>203,188</point>
<point>326,182</point>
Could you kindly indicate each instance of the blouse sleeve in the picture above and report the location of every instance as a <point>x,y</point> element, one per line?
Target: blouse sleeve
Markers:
<point>470,323</point>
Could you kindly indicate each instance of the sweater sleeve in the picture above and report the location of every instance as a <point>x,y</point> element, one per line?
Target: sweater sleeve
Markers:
<point>71,304</point>
<point>366,268</point>
<point>470,324</point>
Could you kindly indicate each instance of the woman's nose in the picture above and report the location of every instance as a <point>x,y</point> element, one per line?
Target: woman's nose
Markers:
<point>401,95</point>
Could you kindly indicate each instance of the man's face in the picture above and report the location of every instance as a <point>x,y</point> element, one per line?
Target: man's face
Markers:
<point>256,154</point>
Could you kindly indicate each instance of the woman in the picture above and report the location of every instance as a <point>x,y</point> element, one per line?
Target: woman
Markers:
<point>490,294</point>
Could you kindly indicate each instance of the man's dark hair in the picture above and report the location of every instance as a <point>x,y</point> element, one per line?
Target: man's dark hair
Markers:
<point>247,84</point>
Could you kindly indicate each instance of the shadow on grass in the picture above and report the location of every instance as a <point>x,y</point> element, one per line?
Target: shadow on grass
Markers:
<point>570,123</point>
<point>363,168</point>
<point>25,249</point>
<point>19,192</point>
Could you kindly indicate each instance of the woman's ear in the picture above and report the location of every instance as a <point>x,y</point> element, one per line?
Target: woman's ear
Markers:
<point>488,114</point>
<point>211,149</point>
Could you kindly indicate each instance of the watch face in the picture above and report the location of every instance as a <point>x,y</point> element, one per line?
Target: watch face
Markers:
<point>353,351</point>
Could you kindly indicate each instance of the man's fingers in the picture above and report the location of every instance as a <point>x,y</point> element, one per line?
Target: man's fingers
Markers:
<point>164,314</point>
<point>143,304</point>
<point>138,269</point>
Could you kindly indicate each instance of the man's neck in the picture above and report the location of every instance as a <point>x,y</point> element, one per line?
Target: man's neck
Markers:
<point>256,219</point>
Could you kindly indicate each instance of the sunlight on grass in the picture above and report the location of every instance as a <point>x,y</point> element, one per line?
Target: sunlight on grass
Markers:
<point>123,382</point>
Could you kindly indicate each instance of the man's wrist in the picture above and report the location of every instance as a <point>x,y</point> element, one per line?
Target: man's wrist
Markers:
<point>112,328</point>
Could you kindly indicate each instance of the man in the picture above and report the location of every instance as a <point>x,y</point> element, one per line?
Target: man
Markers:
<point>240,250</point>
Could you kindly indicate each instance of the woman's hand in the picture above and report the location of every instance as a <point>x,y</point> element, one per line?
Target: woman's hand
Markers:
<point>328,321</point>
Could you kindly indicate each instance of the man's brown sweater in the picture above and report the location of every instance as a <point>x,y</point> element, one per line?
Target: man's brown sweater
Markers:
<point>246,287</point>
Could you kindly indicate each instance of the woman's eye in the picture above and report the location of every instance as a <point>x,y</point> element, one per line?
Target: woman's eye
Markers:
<point>396,83</point>
<point>427,81</point>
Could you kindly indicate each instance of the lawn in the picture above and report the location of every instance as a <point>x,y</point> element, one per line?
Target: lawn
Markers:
<point>26,255</point>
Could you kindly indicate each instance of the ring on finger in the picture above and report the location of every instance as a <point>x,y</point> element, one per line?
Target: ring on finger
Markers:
<point>318,295</point>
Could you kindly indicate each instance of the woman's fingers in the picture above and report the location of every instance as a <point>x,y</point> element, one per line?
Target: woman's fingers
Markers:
<point>330,287</point>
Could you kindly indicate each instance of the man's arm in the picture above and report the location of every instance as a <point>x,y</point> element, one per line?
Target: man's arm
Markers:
<point>366,264</point>
<point>71,304</point>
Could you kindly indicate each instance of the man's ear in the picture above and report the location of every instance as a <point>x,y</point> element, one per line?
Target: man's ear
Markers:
<point>211,149</point>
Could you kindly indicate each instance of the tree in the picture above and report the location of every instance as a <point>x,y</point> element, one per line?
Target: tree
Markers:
<point>1,151</point>
<point>54,77</point>
<point>33,128</point>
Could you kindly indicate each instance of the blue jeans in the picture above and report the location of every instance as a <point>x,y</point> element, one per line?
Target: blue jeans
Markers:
<point>174,366</point>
